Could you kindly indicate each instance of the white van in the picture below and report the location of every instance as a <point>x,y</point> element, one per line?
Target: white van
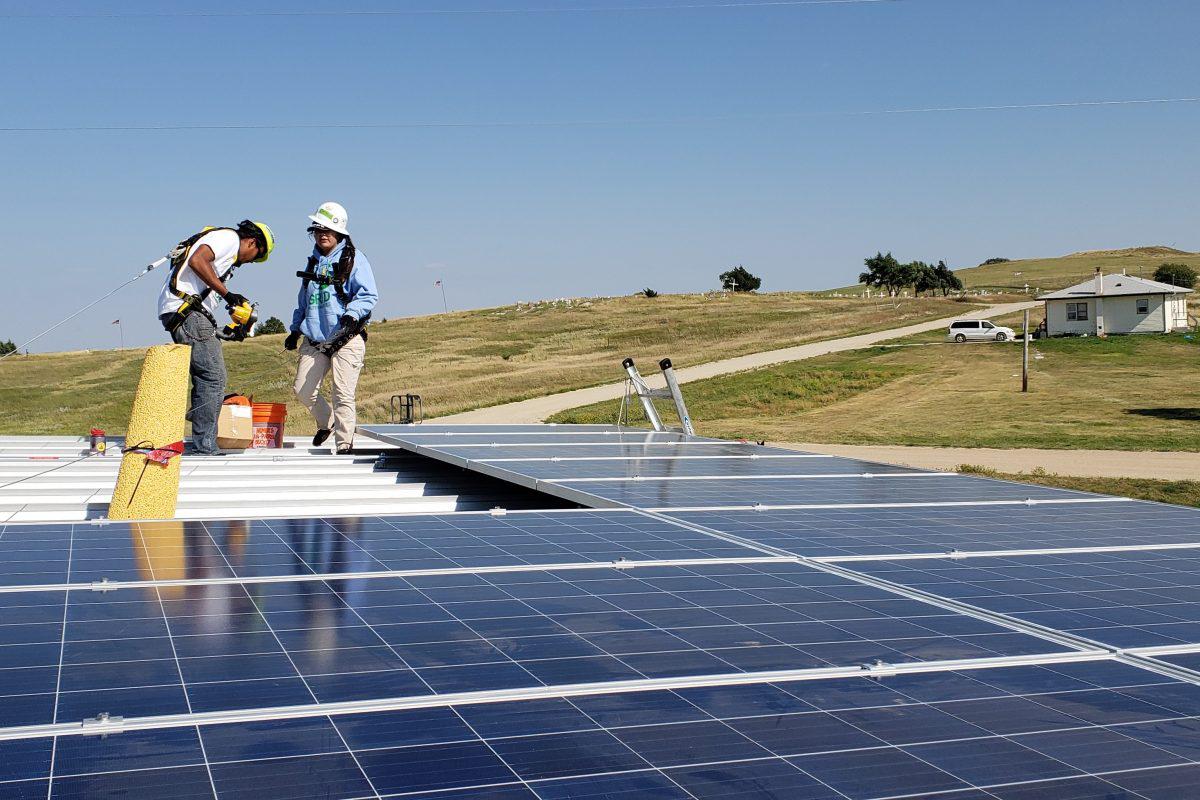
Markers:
<point>978,330</point>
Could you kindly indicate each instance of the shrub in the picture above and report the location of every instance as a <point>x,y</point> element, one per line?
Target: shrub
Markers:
<point>648,292</point>
<point>271,325</point>
<point>1176,275</point>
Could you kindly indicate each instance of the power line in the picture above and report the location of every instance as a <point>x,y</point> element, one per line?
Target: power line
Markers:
<point>589,123</point>
<point>446,11</point>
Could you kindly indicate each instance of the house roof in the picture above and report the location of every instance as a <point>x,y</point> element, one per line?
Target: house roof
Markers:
<point>1115,286</point>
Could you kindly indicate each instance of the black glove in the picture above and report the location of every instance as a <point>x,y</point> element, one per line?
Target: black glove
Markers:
<point>347,320</point>
<point>291,341</point>
<point>233,300</point>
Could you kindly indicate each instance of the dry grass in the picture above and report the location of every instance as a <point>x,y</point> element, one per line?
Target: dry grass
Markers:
<point>468,359</point>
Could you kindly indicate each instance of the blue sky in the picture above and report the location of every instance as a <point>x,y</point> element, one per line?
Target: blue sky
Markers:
<point>548,153</point>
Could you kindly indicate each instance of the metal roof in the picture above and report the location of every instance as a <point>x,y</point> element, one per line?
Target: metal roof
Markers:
<point>51,479</point>
<point>1115,286</point>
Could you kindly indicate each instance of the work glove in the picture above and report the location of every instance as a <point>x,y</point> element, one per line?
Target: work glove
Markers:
<point>347,320</point>
<point>233,300</point>
<point>291,341</point>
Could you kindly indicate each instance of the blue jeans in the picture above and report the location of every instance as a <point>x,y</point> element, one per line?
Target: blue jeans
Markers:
<point>208,379</point>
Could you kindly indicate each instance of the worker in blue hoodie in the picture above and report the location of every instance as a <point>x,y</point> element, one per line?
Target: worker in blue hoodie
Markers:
<point>329,325</point>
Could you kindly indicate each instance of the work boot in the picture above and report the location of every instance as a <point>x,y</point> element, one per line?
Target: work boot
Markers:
<point>345,449</point>
<point>321,436</point>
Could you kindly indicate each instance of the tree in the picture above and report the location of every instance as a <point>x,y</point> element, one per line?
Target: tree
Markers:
<point>1177,275</point>
<point>648,292</point>
<point>923,276</point>
<point>947,281</point>
<point>7,347</point>
<point>884,272</point>
<point>272,325</point>
<point>739,279</point>
<point>991,261</point>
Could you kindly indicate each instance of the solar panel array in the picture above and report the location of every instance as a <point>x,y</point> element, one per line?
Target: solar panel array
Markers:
<point>726,620</point>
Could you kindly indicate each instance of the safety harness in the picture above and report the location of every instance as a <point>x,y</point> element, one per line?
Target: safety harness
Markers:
<point>191,302</point>
<point>341,274</point>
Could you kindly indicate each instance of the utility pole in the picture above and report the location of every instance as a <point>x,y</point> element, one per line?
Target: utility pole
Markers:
<point>1025,355</point>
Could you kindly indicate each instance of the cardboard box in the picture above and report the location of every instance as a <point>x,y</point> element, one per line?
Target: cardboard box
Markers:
<point>235,427</point>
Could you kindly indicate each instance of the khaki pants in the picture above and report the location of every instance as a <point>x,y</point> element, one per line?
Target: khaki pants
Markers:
<point>346,364</point>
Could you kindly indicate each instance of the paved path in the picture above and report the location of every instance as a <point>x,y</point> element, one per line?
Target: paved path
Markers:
<point>1079,463</point>
<point>538,408</point>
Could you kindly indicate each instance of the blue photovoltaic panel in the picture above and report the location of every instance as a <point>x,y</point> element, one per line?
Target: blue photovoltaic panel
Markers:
<point>650,494</point>
<point>40,554</point>
<point>892,531</point>
<point>148,652</point>
<point>1089,730</point>
<point>1124,599</point>
<point>433,430</point>
<point>719,468</point>
<point>460,454</point>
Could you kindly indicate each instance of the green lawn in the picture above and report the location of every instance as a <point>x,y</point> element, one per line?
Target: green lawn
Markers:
<point>468,359</point>
<point>1120,393</point>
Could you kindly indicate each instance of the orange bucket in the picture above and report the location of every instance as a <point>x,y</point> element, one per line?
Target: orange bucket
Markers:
<point>269,419</point>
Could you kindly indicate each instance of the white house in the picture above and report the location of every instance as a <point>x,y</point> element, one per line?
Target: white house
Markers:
<point>1116,304</point>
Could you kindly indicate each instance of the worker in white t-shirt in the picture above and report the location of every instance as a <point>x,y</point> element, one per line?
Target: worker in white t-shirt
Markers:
<point>201,266</point>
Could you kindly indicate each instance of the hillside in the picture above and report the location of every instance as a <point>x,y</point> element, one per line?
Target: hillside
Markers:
<point>1049,274</point>
<point>468,359</point>
<point>1055,273</point>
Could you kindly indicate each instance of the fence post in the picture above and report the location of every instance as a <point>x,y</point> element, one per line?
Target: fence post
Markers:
<point>1025,355</point>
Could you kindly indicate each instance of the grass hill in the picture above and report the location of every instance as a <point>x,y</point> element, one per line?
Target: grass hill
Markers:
<point>468,359</point>
<point>1055,273</point>
<point>1049,274</point>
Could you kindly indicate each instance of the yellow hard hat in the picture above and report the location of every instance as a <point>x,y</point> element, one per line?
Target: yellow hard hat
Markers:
<point>260,231</point>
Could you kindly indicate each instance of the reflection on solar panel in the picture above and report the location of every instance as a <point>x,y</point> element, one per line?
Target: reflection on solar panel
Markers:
<point>1125,599</point>
<point>41,554</point>
<point>842,533</point>
<point>737,652</point>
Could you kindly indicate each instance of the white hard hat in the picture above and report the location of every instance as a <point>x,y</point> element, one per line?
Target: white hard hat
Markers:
<point>332,216</point>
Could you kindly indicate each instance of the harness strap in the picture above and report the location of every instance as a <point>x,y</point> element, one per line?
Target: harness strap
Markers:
<point>158,455</point>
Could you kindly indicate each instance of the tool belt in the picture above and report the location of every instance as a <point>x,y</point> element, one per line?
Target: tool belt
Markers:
<point>330,346</point>
<point>192,303</point>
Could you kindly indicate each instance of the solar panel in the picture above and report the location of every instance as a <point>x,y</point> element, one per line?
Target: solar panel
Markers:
<point>697,467</point>
<point>204,648</point>
<point>656,653</point>
<point>41,554</point>
<point>716,493</point>
<point>1071,730</point>
<point>1122,599</point>
<point>839,533</point>
<point>521,459</point>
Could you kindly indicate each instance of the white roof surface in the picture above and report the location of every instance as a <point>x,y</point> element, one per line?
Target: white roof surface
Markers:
<point>1115,286</point>
<point>48,479</point>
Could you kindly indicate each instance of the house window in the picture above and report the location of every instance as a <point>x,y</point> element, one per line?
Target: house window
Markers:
<point>1077,311</point>
<point>1143,305</point>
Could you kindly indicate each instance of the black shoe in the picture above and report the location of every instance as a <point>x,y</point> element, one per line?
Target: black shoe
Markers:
<point>321,436</point>
<point>345,449</point>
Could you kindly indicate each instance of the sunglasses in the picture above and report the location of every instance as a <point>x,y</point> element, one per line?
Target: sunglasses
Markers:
<point>319,231</point>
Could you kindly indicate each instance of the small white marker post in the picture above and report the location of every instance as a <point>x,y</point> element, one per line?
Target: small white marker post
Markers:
<point>1025,355</point>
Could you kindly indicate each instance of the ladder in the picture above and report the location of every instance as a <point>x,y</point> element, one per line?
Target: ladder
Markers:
<point>637,383</point>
